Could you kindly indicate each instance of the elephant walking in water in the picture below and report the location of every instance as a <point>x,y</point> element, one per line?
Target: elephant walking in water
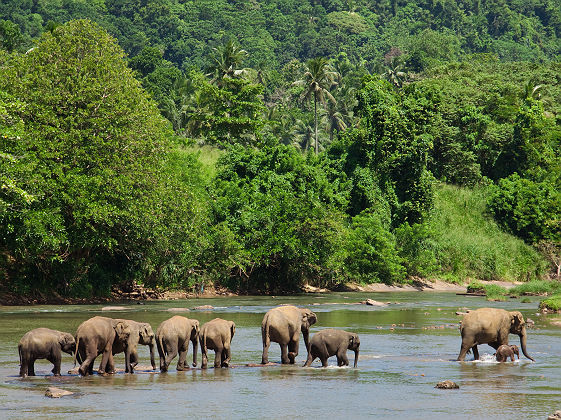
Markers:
<point>505,351</point>
<point>96,336</point>
<point>172,338</point>
<point>331,342</point>
<point>141,333</point>
<point>217,335</point>
<point>491,326</point>
<point>44,343</point>
<point>283,325</point>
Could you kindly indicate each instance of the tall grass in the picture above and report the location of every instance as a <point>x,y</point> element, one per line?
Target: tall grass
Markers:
<point>207,156</point>
<point>471,245</point>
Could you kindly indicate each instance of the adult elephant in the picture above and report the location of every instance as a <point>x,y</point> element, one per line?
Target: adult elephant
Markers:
<point>217,335</point>
<point>141,333</point>
<point>172,337</point>
<point>283,325</point>
<point>491,326</point>
<point>332,342</point>
<point>44,343</point>
<point>96,336</point>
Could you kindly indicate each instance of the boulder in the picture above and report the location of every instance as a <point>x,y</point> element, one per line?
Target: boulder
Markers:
<point>53,392</point>
<point>113,308</point>
<point>447,384</point>
<point>203,308</point>
<point>178,310</point>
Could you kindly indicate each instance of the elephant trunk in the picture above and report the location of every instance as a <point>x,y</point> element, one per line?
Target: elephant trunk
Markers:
<point>195,342</point>
<point>523,345</point>
<point>152,351</point>
<point>356,357</point>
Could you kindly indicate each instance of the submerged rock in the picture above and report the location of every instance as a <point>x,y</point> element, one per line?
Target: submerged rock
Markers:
<point>53,392</point>
<point>203,307</point>
<point>178,310</point>
<point>371,302</point>
<point>113,308</point>
<point>447,384</point>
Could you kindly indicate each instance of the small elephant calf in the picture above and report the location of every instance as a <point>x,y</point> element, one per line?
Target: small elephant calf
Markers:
<point>505,351</point>
<point>330,342</point>
<point>44,343</point>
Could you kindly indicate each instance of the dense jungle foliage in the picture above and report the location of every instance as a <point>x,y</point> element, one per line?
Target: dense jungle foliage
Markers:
<point>264,145</point>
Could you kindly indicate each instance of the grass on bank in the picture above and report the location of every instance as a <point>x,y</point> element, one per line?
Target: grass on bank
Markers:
<point>469,244</point>
<point>552,303</point>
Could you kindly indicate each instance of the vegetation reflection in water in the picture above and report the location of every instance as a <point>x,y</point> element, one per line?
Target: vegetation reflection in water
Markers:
<point>406,348</point>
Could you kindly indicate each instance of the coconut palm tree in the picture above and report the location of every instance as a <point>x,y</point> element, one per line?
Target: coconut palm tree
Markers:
<point>226,61</point>
<point>317,79</point>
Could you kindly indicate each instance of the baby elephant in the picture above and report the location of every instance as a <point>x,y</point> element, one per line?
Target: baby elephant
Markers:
<point>43,343</point>
<point>217,335</point>
<point>330,342</point>
<point>505,351</point>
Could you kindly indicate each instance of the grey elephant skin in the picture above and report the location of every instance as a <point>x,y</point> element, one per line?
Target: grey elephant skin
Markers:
<point>491,326</point>
<point>505,352</point>
<point>141,333</point>
<point>172,338</point>
<point>217,335</point>
<point>96,336</point>
<point>283,325</point>
<point>44,343</point>
<point>332,342</point>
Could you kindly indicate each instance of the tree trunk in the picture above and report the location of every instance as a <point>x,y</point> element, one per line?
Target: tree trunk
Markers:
<point>316,120</point>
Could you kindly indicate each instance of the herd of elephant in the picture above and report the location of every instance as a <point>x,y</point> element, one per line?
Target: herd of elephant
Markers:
<point>283,324</point>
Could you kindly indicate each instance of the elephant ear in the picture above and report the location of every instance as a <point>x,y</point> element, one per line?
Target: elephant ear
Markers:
<point>351,340</point>
<point>122,329</point>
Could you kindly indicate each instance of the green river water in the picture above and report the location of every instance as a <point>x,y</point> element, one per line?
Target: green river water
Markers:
<point>406,348</point>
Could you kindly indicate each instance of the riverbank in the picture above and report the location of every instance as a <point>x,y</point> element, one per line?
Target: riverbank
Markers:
<point>139,293</point>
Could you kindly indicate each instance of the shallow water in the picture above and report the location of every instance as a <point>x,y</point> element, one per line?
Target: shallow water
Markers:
<point>406,348</point>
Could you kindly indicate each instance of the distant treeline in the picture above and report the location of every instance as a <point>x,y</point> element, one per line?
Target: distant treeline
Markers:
<point>327,170</point>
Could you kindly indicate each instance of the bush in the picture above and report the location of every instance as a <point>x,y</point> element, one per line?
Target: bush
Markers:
<point>551,304</point>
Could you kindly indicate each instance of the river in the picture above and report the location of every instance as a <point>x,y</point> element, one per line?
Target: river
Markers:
<point>406,348</point>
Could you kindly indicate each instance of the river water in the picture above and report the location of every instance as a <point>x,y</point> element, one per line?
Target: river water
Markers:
<point>406,348</point>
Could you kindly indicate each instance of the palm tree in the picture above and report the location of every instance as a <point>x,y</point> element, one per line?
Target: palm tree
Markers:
<point>393,73</point>
<point>334,120</point>
<point>226,61</point>
<point>317,79</point>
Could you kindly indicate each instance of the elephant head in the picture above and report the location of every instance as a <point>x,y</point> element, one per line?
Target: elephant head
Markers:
<point>67,343</point>
<point>354,344</point>
<point>122,331</point>
<point>518,326</point>
<point>146,337</point>
<point>309,318</point>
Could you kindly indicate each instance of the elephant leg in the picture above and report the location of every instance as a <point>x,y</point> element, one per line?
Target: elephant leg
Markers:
<point>134,359</point>
<point>342,360</point>
<point>23,370</point>
<point>266,344</point>
<point>55,360</point>
<point>31,367</point>
<point>323,359</point>
<point>463,351</point>
<point>86,368</point>
<point>182,362</point>
<point>204,352</point>
<point>218,356</point>
<point>169,357</point>
<point>226,356</point>
<point>292,350</point>
<point>284,354</point>
<point>309,360</point>
<point>475,352</point>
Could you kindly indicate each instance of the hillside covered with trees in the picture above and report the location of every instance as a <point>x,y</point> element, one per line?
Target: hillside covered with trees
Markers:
<point>264,145</point>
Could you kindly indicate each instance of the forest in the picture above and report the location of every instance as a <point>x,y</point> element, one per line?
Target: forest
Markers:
<point>264,145</point>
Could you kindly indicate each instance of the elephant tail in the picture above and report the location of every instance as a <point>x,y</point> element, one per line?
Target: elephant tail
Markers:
<point>160,345</point>
<point>19,353</point>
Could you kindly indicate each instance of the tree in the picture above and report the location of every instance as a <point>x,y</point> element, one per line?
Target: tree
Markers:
<point>226,61</point>
<point>98,148</point>
<point>10,35</point>
<point>317,80</point>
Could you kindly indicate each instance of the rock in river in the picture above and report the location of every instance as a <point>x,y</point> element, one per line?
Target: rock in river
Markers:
<point>54,392</point>
<point>447,384</point>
